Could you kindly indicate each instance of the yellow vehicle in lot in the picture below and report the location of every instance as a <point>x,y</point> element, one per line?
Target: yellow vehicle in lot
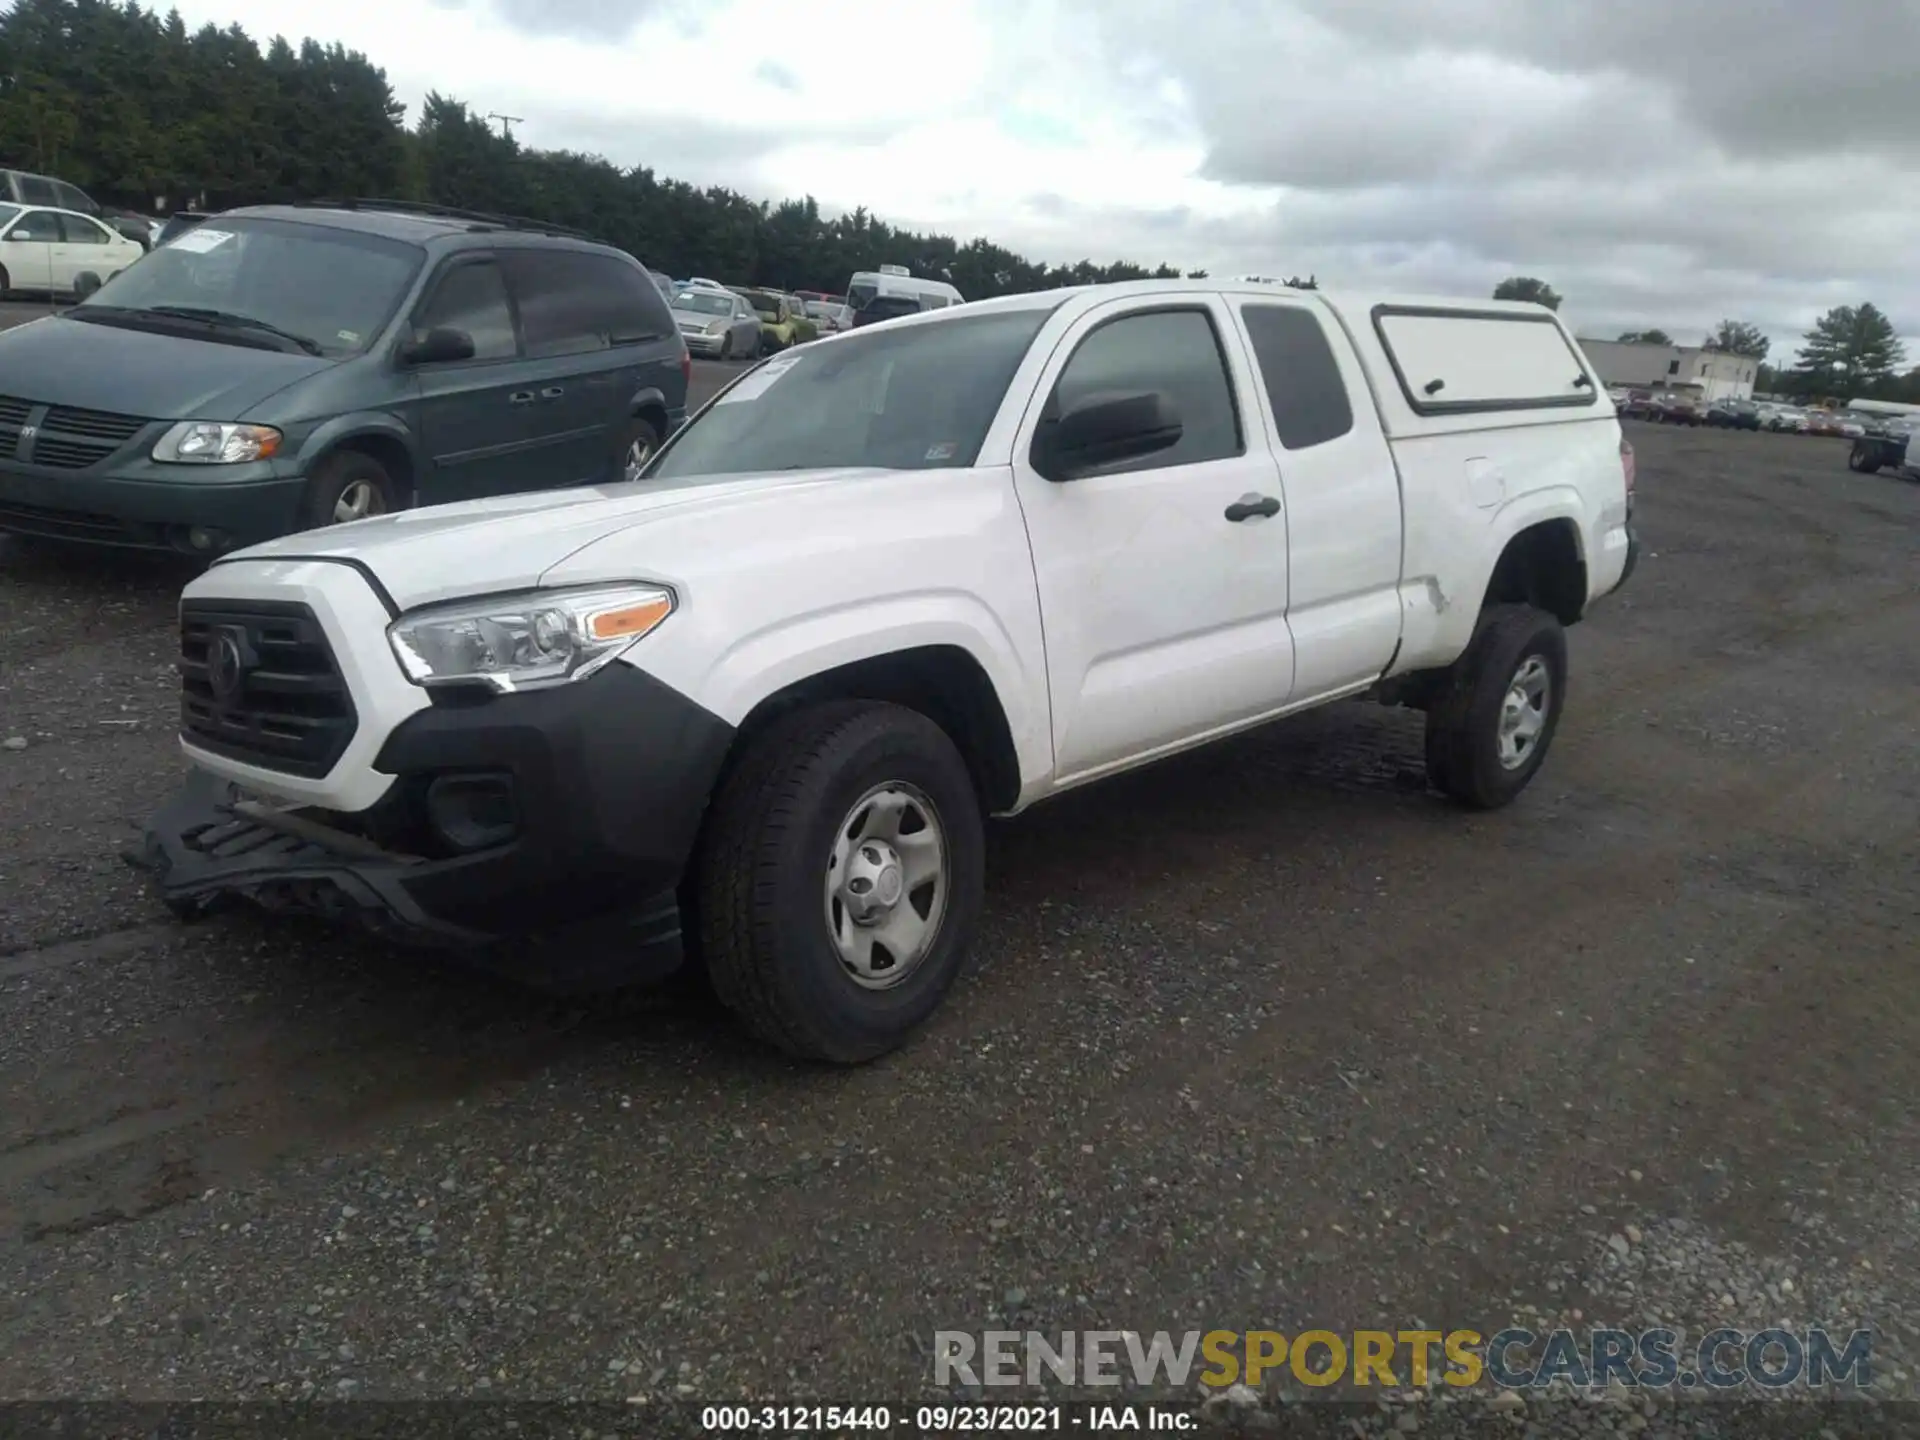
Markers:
<point>783,319</point>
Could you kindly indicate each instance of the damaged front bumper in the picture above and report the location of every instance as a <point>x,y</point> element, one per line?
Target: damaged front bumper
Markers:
<point>213,845</point>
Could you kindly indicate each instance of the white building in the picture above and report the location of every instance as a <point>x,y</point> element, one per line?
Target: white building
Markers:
<point>1707,375</point>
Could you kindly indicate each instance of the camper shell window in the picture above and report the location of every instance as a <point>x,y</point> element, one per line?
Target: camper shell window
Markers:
<point>1461,362</point>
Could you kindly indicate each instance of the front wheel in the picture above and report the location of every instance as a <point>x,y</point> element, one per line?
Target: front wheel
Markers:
<point>348,485</point>
<point>1860,460</point>
<point>840,879</point>
<point>1489,730</point>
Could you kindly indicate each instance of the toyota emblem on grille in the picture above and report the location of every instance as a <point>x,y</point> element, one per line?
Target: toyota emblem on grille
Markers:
<point>227,665</point>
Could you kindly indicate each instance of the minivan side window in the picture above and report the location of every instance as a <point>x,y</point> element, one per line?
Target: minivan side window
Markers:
<point>472,296</point>
<point>37,190</point>
<point>71,197</point>
<point>573,303</point>
<point>1303,382</point>
<point>1175,352</point>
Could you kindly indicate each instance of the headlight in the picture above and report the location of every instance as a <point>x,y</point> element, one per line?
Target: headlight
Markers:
<point>210,442</point>
<point>526,641</point>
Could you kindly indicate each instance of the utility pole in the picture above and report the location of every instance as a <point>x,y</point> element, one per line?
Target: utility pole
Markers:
<point>507,122</point>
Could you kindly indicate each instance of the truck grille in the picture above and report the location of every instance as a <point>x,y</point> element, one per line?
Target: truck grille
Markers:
<point>284,706</point>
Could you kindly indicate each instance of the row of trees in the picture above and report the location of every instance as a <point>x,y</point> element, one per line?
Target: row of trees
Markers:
<point>1851,351</point>
<point>135,108</point>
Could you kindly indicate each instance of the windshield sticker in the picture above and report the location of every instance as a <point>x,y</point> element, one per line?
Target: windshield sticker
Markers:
<point>758,382</point>
<point>199,242</point>
<point>943,451</point>
<point>347,337</point>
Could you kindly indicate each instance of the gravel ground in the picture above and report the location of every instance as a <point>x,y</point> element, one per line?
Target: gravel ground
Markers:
<point>1265,1037</point>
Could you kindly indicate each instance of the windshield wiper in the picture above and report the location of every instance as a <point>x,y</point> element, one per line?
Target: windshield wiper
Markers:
<point>240,322</point>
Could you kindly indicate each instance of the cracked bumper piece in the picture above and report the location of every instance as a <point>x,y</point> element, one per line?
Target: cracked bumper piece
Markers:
<point>540,834</point>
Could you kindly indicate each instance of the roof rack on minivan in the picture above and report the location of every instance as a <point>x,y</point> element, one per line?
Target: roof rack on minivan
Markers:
<point>447,212</point>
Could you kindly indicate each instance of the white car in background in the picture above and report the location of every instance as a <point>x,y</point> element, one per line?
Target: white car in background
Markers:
<point>44,251</point>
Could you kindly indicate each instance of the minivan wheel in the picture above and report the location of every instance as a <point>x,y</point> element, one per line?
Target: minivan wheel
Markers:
<point>839,879</point>
<point>1489,730</point>
<point>348,485</point>
<point>637,446</point>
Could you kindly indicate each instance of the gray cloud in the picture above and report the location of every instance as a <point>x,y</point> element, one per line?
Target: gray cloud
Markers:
<point>602,20</point>
<point>773,73</point>
<point>1661,165</point>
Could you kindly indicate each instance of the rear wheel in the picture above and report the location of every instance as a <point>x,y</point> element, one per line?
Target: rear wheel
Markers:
<point>839,880</point>
<point>1489,729</point>
<point>637,446</point>
<point>348,485</point>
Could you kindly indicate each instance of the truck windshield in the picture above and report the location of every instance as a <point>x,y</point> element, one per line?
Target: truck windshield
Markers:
<point>916,398</point>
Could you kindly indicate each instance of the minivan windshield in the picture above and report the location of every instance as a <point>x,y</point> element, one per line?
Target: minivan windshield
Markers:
<point>331,291</point>
<point>706,304</point>
<point>916,398</point>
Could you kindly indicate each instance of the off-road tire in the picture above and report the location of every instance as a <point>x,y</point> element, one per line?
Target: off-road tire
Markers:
<point>330,480</point>
<point>761,872</point>
<point>1463,754</point>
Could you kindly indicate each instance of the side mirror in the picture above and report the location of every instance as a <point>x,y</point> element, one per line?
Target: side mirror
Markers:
<point>1108,428</point>
<point>438,346</point>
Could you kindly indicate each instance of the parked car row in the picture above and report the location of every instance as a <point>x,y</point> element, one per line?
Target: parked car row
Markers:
<point>1668,407</point>
<point>280,368</point>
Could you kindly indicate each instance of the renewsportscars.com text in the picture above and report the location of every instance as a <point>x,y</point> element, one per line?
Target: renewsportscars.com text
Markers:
<point>1514,1359</point>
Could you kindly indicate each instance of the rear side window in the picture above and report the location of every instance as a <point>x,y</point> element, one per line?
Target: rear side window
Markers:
<point>80,231</point>
<point>573,303</point>
<point>1453,362</point>
<point>1172,351</point>
<point>37,190</point>
<point>473,297</point>
<point>1309,398</point>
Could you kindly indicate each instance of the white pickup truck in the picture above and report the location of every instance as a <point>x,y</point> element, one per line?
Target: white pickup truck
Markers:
<point>747,713</point>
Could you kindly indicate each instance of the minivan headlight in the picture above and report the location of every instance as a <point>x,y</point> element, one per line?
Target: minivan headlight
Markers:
<point>526,641</point>
<point>214,442</point>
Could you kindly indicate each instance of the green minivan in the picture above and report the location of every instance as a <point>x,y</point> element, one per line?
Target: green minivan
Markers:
<point>279,368</point>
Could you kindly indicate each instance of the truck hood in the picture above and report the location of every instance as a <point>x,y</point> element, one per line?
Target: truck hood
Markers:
<point>479,547</point>
<point>136,372</point>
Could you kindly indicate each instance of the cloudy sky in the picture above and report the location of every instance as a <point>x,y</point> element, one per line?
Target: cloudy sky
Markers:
<point>1659,164</point>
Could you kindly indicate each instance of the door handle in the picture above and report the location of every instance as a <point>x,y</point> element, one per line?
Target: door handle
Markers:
<point>1250,505</point>
<point>552,392</point>
<point>520,397</point>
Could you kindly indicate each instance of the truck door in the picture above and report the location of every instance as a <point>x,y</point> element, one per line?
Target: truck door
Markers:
<point>1162,580</point>
<point>1342,493</point>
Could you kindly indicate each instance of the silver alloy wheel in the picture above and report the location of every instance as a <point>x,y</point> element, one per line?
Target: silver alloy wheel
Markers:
<point>638,454</point>
<point>886,885</point>
<point>1523,712</point>
<point>357,500</point>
